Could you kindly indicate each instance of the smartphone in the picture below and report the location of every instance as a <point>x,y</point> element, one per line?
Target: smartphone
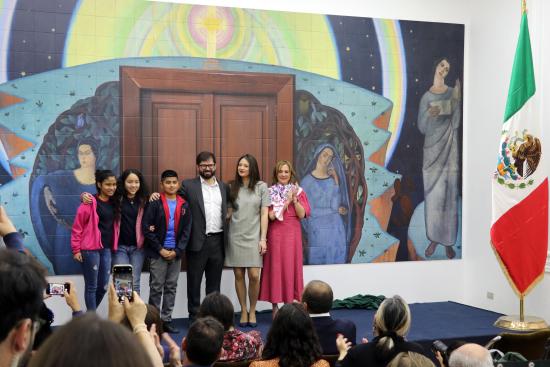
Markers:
<point>124,281</point>
<point>57,289</point>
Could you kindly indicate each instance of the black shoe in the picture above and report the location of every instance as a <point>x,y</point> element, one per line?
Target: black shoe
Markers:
<point>169,328</point>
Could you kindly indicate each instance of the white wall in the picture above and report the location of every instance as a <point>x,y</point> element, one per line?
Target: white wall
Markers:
<point>489,77</point>
<point>491,32</point>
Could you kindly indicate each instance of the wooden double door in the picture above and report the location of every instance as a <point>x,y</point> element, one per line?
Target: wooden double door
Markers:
<point>170,115</point>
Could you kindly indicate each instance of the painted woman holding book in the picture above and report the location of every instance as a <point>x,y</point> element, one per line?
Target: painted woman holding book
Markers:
<point>439,117</point>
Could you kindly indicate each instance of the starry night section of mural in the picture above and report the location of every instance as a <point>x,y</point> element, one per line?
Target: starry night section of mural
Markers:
<point>359,53</point>
<point>37,37</point>
<point>424,43</point>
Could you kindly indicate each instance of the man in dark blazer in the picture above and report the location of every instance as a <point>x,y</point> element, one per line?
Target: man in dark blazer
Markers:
<point>207,198</point>
<point>317,299</point>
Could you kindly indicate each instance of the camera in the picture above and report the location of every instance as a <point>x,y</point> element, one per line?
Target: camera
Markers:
<point>439,346</point>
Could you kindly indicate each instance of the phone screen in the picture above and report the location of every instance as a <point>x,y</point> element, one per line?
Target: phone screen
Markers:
<point>57,289</point>
<point>123,280</point>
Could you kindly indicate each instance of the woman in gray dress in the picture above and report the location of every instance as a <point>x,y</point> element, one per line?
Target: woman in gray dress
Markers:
<point>249,199</point>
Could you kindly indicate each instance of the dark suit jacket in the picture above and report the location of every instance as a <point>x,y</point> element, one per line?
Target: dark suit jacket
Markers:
<point>328,329</point>
<point>191,191</point>
<point>156,214</point>
<point>368,355</point>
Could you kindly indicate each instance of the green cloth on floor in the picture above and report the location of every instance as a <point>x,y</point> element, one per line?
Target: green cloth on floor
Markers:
<point>359,301</point>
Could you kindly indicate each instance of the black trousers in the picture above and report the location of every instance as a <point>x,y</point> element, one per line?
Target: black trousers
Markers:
<point>207,261</point>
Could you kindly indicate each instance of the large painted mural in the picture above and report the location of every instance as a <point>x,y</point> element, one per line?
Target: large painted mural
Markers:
<point>375,128</point>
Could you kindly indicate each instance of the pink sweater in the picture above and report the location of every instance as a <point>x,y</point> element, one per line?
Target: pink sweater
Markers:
<point>85,234</point>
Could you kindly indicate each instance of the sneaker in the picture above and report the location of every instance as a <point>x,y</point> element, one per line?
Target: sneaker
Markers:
<point>169,328</point>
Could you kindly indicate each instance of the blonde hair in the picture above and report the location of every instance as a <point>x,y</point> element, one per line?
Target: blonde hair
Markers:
<point>393,316</point>
<point>410,359</point>
<point>278,166</point>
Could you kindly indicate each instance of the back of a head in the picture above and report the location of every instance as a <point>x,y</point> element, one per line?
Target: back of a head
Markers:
<point>88,341</point>
<point>22,284</point>
<point>292,338</point>
<point>318,297</point>
<point>470,355</point>
<point>204,341</point>
<point>392,319</point>
<point>410,359</point>
<point>219,307</point>
<point>151,317</point>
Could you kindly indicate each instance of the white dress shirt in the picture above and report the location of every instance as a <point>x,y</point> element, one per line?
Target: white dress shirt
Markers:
<point>212,198</point>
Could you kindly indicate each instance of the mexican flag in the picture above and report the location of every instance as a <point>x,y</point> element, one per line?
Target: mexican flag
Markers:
<point>519,230</point>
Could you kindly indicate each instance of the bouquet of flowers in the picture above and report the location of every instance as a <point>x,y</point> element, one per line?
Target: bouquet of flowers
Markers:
<point>280,196</point>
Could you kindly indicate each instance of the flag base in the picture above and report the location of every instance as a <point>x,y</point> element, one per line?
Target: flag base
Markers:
<point>513,322</point>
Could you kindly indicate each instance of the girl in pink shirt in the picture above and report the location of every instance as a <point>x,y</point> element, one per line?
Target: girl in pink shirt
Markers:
<point>94,235</point>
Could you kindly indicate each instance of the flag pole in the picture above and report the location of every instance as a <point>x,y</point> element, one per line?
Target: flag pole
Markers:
<point>521,315</point>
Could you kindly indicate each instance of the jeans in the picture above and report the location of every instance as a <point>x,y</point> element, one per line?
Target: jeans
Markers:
<point>96,267</point>
<point>133,256</point>
<point>163,283</point>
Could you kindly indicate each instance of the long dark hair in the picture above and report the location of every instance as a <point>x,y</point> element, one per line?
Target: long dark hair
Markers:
<point>142,195</point>
<point>219,307</point>
<point>292,338</point>
<point>237,183</point>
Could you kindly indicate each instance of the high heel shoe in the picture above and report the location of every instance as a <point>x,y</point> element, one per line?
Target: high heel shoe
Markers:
<point>250,323</point>
<point>243,323</point>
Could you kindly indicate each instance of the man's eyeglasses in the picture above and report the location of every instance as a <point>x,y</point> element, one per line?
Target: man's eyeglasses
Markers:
<point>203,166</point>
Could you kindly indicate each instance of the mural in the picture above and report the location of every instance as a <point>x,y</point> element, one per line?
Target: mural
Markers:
<point>377,115</point>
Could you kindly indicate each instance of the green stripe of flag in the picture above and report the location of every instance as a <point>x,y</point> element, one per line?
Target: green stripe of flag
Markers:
<point>522,82</point>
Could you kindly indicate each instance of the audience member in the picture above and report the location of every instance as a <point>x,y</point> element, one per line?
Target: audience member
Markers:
<point>443,356</point>
<point>11,237</point>
<point>22,284</point>
<point>237,345</point>
<point>151,318</point>
<point>470,355</point>
<point>88,341</point>
<point>292,340</point>
<point>46,316</point>
<point>411,359</point>
<point>317,299</point>
<point>71,298</point>
<point>391,323</point>
<point>203,343</point>
<point>136,312</point>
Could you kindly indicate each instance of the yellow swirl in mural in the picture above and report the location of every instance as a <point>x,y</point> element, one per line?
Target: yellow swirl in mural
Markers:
<point>103,29</point>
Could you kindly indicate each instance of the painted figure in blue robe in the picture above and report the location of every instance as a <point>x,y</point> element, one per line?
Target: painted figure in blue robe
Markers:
<point>439,117</point>
<point>54,200</point>
<point>328,227</point>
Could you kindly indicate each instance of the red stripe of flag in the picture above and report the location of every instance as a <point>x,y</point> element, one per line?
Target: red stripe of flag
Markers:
<point>520,238</point>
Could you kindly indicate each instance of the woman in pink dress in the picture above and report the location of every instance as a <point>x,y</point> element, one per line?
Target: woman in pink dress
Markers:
<point>282,276</point>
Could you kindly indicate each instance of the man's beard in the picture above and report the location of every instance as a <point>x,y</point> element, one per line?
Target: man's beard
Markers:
<point>207,175</point>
